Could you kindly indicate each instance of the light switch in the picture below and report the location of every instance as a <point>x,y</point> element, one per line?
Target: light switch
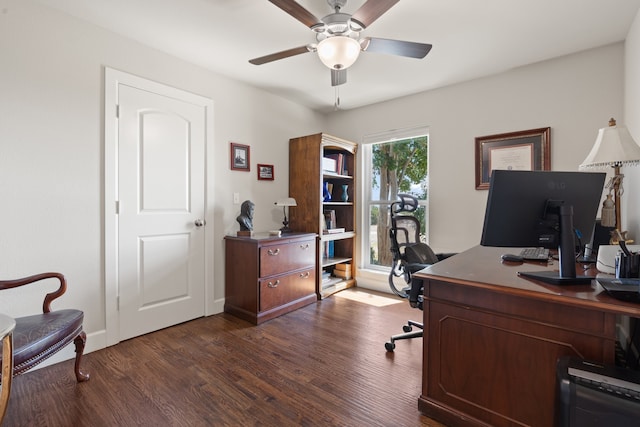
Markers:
<point>236,198</point>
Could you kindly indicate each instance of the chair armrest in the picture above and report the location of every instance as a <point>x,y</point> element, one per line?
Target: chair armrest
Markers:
<point>445,255</point>
<point>46,305</point>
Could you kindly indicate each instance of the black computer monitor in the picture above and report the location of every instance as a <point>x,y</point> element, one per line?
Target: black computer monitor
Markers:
<point>543,209</point>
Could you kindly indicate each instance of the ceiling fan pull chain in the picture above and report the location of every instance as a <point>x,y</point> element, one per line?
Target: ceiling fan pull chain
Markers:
<point>336,103</point>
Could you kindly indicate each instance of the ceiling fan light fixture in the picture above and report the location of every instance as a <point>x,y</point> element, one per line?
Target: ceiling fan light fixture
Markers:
<point>338,52</point>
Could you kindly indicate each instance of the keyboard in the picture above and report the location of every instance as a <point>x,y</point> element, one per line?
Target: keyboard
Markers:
<point>535,254</point>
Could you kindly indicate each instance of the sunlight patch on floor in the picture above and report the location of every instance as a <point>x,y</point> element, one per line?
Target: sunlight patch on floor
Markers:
<point>367,298</point>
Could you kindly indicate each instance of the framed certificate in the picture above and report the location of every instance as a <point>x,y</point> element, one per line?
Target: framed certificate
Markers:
<point>523,150</point>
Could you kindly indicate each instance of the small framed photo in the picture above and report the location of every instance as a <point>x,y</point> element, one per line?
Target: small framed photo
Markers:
<point>240,157</point>
<point>524,150</point>
<point>265,172</point>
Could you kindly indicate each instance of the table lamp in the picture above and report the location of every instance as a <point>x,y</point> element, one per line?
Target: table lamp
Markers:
<point>284,202</point>
<point>614,147</point>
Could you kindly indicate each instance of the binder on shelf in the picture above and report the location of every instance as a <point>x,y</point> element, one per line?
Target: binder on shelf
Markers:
<point>329,164</point>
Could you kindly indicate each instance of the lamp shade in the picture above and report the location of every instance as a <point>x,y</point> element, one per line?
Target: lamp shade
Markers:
<point>614,146</point>
<point>286,201</point>
<point>338,52</point>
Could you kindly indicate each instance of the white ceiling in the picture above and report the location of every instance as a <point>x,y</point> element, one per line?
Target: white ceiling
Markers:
<point>470,38</point>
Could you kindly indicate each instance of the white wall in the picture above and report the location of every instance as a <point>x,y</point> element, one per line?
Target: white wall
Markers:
<point>574,95</point>
<point>51,151</point>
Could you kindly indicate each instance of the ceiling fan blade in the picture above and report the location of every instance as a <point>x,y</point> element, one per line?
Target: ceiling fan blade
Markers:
<point>279,55</point>
<point>395,47</point>
<point>294,9</point>
<point>338,77</point>
<point>372,10</point>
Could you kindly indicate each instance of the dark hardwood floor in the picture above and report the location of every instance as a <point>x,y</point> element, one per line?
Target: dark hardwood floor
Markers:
<point>322,365</point>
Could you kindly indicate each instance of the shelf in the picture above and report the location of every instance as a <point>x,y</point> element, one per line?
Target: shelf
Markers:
<point>335,287</point>
<point>337,236</point>
<point>332,203</point>
<point>331,175</point>
<point>328,262</point>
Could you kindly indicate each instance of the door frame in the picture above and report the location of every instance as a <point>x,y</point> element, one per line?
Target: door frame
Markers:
<point>112,79</point>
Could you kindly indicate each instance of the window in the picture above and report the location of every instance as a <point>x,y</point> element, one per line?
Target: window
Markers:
<point>394,163</point>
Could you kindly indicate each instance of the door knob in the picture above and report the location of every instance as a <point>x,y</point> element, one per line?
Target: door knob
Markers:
<point>200,222</point>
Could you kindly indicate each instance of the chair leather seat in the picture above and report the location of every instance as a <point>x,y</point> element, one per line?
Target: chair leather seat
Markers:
<point>37,337</point>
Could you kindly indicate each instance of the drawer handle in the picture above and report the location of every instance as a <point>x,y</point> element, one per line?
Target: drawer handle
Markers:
<point>272,252</point>
<point>304,247</point>
<point>304,275</point>
<point>273,285</point>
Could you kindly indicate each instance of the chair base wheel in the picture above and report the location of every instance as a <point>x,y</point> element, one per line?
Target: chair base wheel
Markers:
<point>407,328</point>
<point>390,346</point>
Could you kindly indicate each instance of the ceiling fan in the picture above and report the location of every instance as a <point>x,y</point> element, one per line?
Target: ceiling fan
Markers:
<point>338,36</point>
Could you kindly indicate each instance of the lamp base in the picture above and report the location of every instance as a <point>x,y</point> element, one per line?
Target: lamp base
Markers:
<point>285,229</point>
<point>285,225</point>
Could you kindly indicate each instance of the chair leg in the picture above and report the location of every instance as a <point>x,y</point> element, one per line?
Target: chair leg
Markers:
<point>80,341</point>
<point>408,334</point>
<point>7,373</point>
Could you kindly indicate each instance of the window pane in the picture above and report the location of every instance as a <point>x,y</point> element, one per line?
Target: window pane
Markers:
<point>392,168</point>
<point>374,218</point>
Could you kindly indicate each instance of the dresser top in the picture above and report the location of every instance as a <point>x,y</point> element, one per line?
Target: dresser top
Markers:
<point>265,237</point>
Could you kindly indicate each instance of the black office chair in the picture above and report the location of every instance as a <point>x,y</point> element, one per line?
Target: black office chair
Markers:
<point>409,256</point>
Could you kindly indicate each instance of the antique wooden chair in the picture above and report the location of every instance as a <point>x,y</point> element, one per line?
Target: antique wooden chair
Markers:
<point>38,337</point>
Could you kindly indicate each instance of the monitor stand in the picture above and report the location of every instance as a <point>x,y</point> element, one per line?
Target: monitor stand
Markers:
<point>554,278</point>
<point>567,255</point>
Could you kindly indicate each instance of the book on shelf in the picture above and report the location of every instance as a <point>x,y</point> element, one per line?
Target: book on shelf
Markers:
<point>328,249</point>
<point>340,162</point>
<point>343,266</point>
<point>343,274</point>
<point>334,230</point>
<point>330,218</point>
<point>331,282</point>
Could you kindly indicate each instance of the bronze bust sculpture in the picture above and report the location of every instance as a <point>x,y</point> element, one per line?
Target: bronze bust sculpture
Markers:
<point>245,219</point>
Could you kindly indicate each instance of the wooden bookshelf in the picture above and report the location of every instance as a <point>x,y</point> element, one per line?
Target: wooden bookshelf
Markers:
<point>307,180</point>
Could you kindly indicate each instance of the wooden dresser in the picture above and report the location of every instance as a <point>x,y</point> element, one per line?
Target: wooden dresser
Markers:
<point>267,276</point>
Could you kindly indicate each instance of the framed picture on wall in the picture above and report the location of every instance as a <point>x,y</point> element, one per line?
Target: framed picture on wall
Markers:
<point>524,150</point>
<point>240,157</point>
<point>265,172</point>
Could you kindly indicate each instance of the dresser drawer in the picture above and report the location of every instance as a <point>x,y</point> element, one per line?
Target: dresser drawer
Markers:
<point>283,257</point>
<point>281,290</point>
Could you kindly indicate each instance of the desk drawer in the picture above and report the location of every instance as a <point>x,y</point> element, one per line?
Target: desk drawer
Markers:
<point>278,291</point>
<point>280,258</point>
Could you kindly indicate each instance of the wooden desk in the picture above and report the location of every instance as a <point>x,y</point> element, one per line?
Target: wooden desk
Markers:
<point>492,339</point>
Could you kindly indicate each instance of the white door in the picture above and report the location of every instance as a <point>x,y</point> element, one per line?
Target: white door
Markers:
<point>161,207</point>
